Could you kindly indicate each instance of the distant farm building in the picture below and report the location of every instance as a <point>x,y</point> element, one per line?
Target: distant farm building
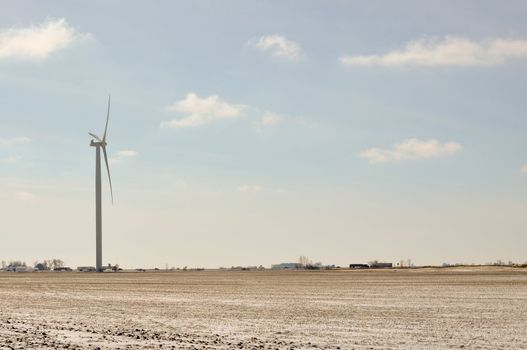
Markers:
<point>62,269</point>
<point>40,267</point>
<point>359,266</point>
<point>23,269</point>
<point>286,266</point>
<point>86,269</point>
<point>381,265</point>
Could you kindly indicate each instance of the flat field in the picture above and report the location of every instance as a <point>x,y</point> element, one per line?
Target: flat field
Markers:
<point>470,308</point>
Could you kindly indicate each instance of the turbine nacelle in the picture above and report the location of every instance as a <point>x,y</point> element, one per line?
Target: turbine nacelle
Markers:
<point>97,141</point>
<point>94,143</point>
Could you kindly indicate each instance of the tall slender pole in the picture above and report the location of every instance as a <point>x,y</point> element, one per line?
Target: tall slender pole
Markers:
<point>98,209</point>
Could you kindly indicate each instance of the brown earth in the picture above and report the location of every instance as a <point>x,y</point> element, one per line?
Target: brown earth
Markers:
<point>470,308</point>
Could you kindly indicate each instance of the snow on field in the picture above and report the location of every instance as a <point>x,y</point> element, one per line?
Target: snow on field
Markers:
<point>479,308</point>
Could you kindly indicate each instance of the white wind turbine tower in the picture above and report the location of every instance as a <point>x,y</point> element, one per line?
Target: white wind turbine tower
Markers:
<point>98,144</point>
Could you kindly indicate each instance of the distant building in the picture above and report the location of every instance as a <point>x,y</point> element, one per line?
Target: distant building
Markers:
<point>40,267</point>
<point>86,269</point>
<point>381,265</point>
<point>286,266</point>
<point>359,266</point>
<point>23,269</point>
<point>62,269</point>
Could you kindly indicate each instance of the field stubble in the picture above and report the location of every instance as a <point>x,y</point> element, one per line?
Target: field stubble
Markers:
<point>473,308</point>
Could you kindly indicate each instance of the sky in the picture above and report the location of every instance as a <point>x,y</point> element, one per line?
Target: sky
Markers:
<point>250,132</point>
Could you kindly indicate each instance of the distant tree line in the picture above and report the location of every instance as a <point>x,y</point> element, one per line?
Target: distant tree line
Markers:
<point>305,262</point>
<point>50,264</point>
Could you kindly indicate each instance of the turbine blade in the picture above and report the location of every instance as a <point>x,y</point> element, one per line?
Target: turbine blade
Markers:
<point>95,137</point>
<point>108,169</point>
<point>107,118</point>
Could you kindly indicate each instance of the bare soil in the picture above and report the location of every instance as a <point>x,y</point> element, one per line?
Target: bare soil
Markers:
<point>470,308</point>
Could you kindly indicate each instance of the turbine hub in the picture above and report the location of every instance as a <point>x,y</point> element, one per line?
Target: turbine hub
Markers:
<point>94,143</point>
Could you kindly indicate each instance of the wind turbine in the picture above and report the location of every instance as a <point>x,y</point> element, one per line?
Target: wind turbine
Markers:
<point>99,143</point>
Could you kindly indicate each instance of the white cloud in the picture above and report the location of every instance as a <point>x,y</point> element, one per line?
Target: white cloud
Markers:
<point>270,119</point>
<point>450,51</point>
<point>24,196</point>
<point>277,46</point>
<point>524,169</point>
<point>411,149</point>
<point>12,141</point>
<point>119,156</point>
<point>36,42</point>
<point>127,153</point>
<point>202,111</point>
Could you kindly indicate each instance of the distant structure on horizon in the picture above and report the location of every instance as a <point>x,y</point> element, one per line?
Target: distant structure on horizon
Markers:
<point>381,265</point>
<point>286,266</point>
<point>372,265</point>
<point>86,269</point>
<point>359,266</point>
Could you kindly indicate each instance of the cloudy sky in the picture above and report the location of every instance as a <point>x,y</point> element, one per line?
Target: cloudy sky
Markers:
<point>247,132</point>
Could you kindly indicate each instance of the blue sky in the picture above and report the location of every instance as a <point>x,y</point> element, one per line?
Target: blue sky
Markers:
<point>255,132</point>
